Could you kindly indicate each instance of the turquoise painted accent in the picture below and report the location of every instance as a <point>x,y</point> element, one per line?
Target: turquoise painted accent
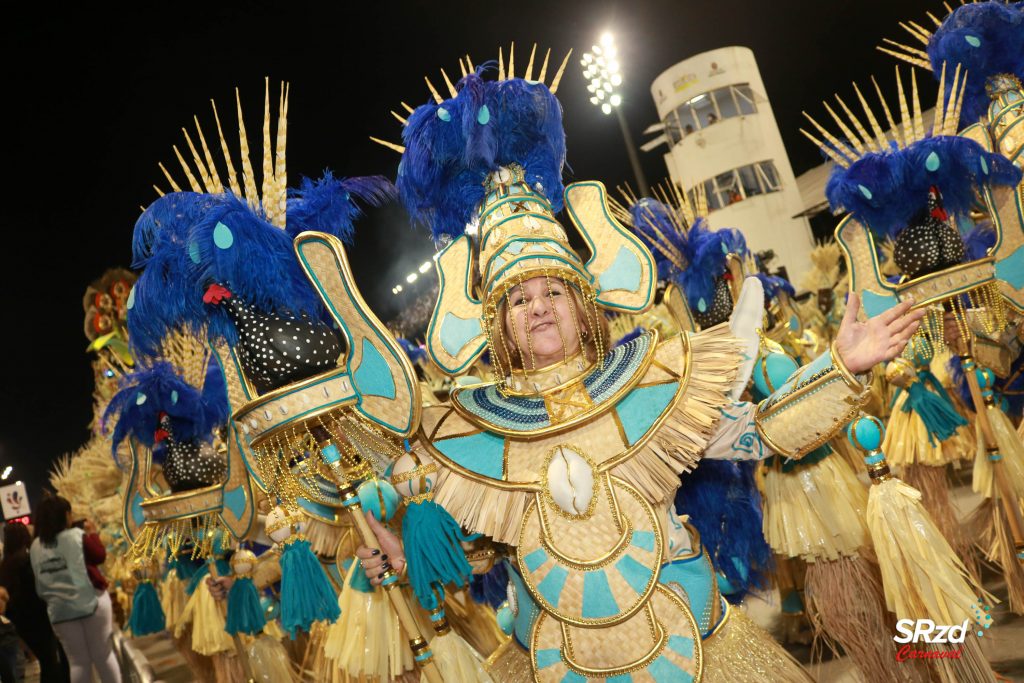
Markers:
<point>725,586</point>
<point>794,323</point>
<point>528,609</point>
<point>456,332</point>
<point>483,116</point>
<point>193,252</point>
<point>779,367</point>
<point>131,298</point>
<point>664,671</point>
<point>481,453</point>
<point>573,677</point>
<point>868,433</point>
<point>443,114</point>
<point>424,656</point>
<point>318,509</point>
<point>598,601</point>
<point>222,236</point>
<point>551,587</point>
<point>697,579</point>
<point>140,398</point>
<point>174,396</point>
<point>506,622</point>
<point>136,510</point>
<point>932,162</point>
<point>330,453</point>
<point>984,163</point>
<point>546,658</point>
<point>973,41</point>
<point>388,580</point>
<point>1011,269</point>
<point>635,574</point>
<point>725,249</point>
<point>681,646</point>
<point>515,247</point>
<point>874,459</point>
<point>702,305</point>
<point>642,407</point>
<point>373,376</point>
<point>644,540</point>
<point>875,303</point>
<point>536,559</point>
<point>625,273</point>
<point>622,678</point>
<point>234,500</point>
<point>379,498</point>
<point>792,604</point>
<point>865,191</point>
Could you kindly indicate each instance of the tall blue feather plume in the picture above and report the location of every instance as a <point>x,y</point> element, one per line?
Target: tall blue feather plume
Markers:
<point>328,205</point>
<point>451,147</point>
<point>979,240</point>
<point>887,190</point>
<point>723,502</point>
<point>985,38</point>
<point>773,284</point>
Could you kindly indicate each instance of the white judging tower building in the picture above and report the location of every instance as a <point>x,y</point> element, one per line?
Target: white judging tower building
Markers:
<point>720,132</point>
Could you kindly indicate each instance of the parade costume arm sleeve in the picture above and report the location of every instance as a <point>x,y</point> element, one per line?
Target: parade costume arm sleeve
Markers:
<point>815,403</point>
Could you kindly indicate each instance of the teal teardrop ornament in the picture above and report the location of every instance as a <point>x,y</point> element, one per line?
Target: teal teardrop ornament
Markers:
<point>702,305</point>
<point>933,162</point>
<point>131,298</point>
<point>865,191</point>
<point>984,164</point>
<point>140,398</point>
<point>222,236</point>
<point>973,41</point>
<point>483,116</point>
<point>443,114</point>
<point>193,252</point>
<point>174,396</point>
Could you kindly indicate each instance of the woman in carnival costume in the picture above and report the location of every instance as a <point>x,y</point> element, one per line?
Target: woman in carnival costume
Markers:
<point>570,459</point>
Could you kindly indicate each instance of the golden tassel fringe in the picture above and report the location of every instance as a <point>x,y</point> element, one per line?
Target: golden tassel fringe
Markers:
<point>676,447</point>
<point>933,483</point>
<point>480,507</point>
<point>741,652</point>
<point>845,604</point>
<point>922,576</point>
<point>906,440</point>
<point>990,526</point>
<point>172,599</point>
<point>815,512</point>
<point>269,660</point>
<point>203,613</point>
<point>457,660</point>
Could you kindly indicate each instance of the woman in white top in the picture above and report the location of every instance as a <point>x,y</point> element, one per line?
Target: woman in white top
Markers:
<point>79,612</point>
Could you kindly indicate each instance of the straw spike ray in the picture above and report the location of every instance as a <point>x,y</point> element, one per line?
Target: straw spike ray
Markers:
<point>544,66</point>
<point>268,152</point>
<point>888,114</point>
<point>906,130</point>
<point>390,145</point>
<point>958,103</point>
<point>448,83</point>
<point>462,68</point>
<point>398,116</point>
<point>528,76</point>
<point>907,53</point>
<point>501,65</point>
<point>558,74</point>
<point>433,91</point>
<point>277,205</point>
<point>939,125</point>
<point>248,177</point>
<point>218,184</point>
<point>827,149</point>
<point>838,146</point>
<point>916,104</point>
<point>204,175</point>
<point>849,134</point>
<point>232,175</point>
<point>512,60</point>
<point>170,179</point>
<point>469,65</point>
<point>881,141</point>
<point>407,108</point>
<point>193,183</point>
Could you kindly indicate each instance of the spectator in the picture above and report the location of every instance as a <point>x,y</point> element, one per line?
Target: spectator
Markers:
<point>712,118</point>
<point>25,608</point>
<point>80,612</point>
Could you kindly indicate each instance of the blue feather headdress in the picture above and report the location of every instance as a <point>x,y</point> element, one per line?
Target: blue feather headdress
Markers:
<point>451,145</point>
<point>152,392</point>
<point>986,39</point>
<point>686,250</point>
<point>885,183</point>
<point>230,237</point>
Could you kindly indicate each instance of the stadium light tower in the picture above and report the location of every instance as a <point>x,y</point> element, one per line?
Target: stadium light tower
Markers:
<point>603,72</point>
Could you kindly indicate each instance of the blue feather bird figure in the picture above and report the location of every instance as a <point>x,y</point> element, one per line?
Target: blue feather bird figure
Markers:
<point>985,39</point>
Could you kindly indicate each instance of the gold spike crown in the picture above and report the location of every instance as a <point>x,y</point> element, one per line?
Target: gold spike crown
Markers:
<point>854,141</point>
<point>918,34</point>
<point>466,67</point>
<point>683,210</point>
<point>271,198</point>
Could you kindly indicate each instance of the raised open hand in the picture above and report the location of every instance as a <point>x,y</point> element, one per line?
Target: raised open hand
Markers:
<point>861,346</point>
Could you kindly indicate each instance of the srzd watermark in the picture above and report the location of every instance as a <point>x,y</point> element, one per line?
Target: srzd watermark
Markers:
<point>910,632</point>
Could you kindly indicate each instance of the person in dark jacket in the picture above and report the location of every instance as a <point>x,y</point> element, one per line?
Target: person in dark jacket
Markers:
<point>25,608</point>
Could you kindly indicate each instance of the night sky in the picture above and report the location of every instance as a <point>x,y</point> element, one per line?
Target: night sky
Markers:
<point>94,100</point>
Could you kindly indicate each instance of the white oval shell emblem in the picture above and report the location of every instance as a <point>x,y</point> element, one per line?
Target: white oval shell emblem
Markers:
<point>570,481</point>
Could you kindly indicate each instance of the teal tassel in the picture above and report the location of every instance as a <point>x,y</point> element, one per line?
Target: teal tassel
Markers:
<point>223,569</point>
<point>360,581</point>
<point>245,614</point>
<point>147,614</point>
<point>306,593</point>
<point>432,550</point>
<point>928,398</point>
